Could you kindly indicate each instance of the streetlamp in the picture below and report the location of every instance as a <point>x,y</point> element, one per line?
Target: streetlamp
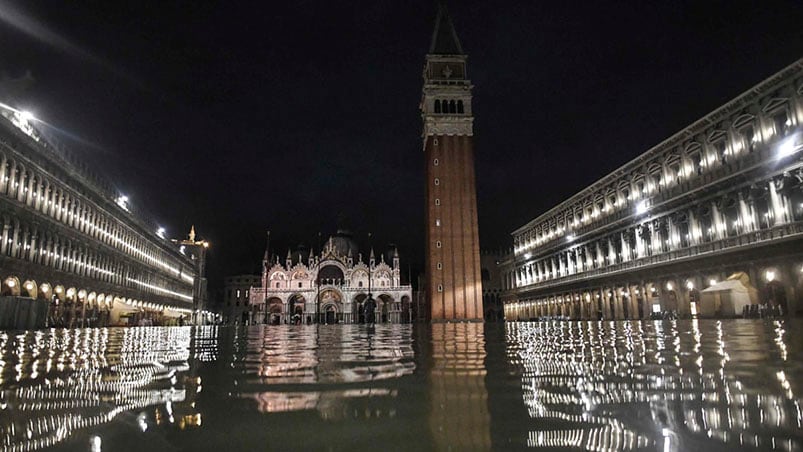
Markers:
<point>370,304</point>
<point>266,264</point>
<point>318,274</point>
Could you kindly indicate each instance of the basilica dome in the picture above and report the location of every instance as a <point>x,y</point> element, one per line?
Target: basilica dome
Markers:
<point>343,243</point>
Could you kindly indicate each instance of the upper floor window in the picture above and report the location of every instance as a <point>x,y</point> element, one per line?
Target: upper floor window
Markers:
<point>749,140</point>
<point>781,121</point>
<point>721,151</point>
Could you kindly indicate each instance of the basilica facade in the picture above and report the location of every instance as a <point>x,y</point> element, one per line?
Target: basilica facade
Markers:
<point>331,287</point>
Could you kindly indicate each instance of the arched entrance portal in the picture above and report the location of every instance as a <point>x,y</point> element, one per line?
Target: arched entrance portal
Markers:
<point>357,314</point>
<point>330,314</point>
<point>406,314</point>
<point>274,311</point>
<point>327,298</point>
<point>386,306</point>
<point>295,308</point>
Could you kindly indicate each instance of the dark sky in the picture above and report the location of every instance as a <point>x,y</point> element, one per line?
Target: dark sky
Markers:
<point>241,117</point>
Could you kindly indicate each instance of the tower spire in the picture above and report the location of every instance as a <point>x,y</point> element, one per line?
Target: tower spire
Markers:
<point>444,37</point>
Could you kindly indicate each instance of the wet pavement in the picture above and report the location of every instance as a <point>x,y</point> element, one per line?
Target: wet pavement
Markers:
<point>605,386</point>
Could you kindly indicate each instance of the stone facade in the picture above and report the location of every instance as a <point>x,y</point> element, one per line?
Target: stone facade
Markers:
<point>492,285</point>
<point>453,280</point>
<point>237,308</point>
<point>67,237</point>
<point>721,197</point>
<point>331,287</point>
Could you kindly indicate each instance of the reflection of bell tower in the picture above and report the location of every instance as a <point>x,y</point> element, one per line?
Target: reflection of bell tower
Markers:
<point>454,287</point>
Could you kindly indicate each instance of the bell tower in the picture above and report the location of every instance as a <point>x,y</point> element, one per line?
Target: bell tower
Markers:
<point>454,286</point>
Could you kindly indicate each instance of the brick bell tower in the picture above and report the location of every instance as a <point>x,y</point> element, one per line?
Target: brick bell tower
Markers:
<point>454,285</point>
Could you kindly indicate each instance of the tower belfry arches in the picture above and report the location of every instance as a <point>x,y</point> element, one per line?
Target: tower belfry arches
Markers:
<point>453,281</point>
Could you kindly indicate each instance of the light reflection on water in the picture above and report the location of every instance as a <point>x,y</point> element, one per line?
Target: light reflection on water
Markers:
<point>318,367</point>
<point>604,386</point>
<point>679,385</point>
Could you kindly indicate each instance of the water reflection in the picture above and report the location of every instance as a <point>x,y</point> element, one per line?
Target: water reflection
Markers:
<point>316,367</point>
<point>459,417</point>
<point>57,382</point>
<point>680,385</point>
<point>603,386</point>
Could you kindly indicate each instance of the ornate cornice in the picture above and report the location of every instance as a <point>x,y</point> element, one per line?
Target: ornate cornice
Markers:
<point>461,126</point>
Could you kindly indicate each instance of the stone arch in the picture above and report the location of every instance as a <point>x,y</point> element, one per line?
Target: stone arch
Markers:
<point>329,271</point>
<point>295,304</point>
<point>694,153</point>
<point>29,289</point>
<point>45,291</point>
<point>674,167</point>
<point>385,307</point>
<point>330,312</point>
<point>358,316</point>
<point>611,200</point>
<point>330,295</point>
<point>11,286</point>
<point>654,177</point>
<point>405,308</point>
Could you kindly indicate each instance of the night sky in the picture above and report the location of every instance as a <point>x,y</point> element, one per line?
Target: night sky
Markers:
<point>241,118</point>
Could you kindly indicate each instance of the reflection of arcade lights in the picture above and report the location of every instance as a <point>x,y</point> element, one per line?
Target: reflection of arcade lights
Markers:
<point>145,364</point>
<point>569,386</point>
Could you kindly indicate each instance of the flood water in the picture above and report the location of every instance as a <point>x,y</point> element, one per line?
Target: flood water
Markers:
<point>605,386</point>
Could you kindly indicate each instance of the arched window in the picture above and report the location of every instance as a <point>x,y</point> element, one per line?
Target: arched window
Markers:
<point>460,106</point>
<point>437,106</point>
<point>452,107</point>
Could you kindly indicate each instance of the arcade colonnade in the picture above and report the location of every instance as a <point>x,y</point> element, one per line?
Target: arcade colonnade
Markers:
<point>64,238</point>
<point>727,187</point>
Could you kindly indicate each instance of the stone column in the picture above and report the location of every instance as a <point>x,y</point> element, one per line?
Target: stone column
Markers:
<point>606,305</point>
<point>778,213</point>
<point>789,278</point>
<point>4,246</point>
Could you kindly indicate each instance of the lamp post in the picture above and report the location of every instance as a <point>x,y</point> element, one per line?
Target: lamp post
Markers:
<point>318,278</point>
<point>369,307</point>
<point>266,262</point>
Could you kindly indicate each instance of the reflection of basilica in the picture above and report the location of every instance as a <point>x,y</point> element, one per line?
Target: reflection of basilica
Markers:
<point>331,287</point>
<point>629,386</point>
<point>321,369</point>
